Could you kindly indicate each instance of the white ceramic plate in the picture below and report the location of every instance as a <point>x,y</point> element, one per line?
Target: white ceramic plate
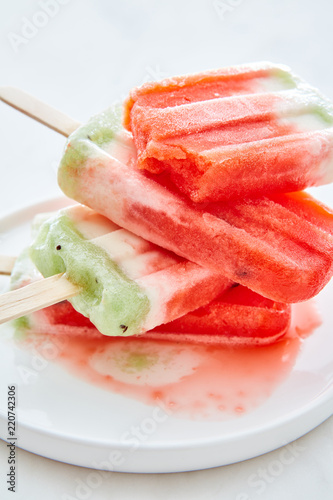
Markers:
<point>65,416</point>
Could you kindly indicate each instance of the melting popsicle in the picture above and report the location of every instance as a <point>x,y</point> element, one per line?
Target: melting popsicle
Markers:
<point>126,285</point>
<point>237,316</point>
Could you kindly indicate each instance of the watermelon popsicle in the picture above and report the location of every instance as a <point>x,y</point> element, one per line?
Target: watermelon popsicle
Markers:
<point>126,285</point>
<point>235,132</point>
<point>280,247</point>
<point>237,316</point>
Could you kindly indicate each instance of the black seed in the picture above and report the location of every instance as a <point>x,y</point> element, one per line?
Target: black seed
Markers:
<point>58,247</point>
<point>96,280</point>
<point>89,137</point>
<point>124,328</point>
<point>242,273</point>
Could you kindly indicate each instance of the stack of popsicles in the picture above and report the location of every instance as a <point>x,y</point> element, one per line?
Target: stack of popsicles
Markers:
<point>197,224</point>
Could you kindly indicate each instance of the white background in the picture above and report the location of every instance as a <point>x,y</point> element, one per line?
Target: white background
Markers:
<point>83,55</point>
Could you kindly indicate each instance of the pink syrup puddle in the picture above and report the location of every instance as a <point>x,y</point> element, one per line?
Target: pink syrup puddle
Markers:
<point>196,381</point>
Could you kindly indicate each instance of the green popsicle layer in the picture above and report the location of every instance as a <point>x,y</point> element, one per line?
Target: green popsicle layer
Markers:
<point>101,129</point>
<point>115,304</point>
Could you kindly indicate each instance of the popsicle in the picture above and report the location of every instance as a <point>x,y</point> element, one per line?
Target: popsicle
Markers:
<point>235,132</point>
<point>279,246</point>
<point>126,285</point>
<point>236,316</point>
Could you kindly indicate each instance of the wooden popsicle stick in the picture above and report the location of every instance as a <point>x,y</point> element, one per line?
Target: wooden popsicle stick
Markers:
<point>38,110</point>
<point>37,295</point>
<point>6,264</point>
<point>49,291</point>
